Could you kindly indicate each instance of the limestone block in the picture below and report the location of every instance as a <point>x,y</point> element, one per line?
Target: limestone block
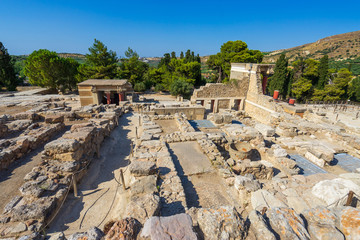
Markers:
<point>331,191</point>
<point>321,224</point>
<point>246,183</point>
<point>19,125</point>
<point>287,224</point>
<point>143,207</point>
<point>348,222</point>
<point>260,227</point>
<point>318,161</point>
<point>265,130</point>
<point>178,226</point>
<point>54,118</point>
<point>221,223</point>
<point>262,198</point>
<point>62,146</point>
<point>142,168</point>
<point>92,234</point>
<point>127,228</point>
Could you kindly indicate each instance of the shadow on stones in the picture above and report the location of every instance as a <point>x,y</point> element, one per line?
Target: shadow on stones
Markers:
<point>114,149</point>
<point>192,198</point>
<point>5,174</point>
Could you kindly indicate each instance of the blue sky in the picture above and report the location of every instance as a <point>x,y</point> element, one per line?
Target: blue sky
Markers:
<point>154,27</point>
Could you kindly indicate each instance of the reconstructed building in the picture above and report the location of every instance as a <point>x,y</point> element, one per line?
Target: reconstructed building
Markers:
<point>104,91</point>
<point>251,80</point>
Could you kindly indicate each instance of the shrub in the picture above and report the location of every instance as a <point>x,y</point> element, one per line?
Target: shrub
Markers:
<point>140,87</point>
<point>159,87</point>
<point>181,87</point>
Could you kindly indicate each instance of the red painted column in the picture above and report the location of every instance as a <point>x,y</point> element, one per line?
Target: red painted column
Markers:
<point>108,98</point>
<point>264,83</point>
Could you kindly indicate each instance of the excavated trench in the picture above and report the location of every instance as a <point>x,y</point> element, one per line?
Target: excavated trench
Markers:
<point>99,197</point>
<point>202,185</point>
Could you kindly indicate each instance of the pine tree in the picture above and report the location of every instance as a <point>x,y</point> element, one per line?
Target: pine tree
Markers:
<point>100,63</point>
<point>181,55</point>
<point>323,72</point>
<point>280,80</point>
<point>7,72</point>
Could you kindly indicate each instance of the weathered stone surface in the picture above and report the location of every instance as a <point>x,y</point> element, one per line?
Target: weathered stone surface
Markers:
<point>318,161</point>
<point>265,130</point>
<point>58,236</point>
<point>331,191</point>
<point>262,198</point>
<point>287,224</point>
<point>12,204</point>
<point>142,168</point>
<point>92,234</point>
<point>124,229</point>
<point>19,125</point>
<point>348,222</point>
<point>321,224</point>
<point>221,223</point>
<point>35,210</point>
<point>54,118</point>
<point>246,183</point>
<point>178,226</point>
<point>144,185</point>
<point>143,207</point>
<point>18,228</point>
<point>62,146</point>
<point>260,227</point>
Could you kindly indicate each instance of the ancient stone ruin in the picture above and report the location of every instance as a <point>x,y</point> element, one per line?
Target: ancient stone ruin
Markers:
<point>231,163</point>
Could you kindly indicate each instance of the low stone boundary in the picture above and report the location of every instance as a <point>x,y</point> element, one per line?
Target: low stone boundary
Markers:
<point>33,137</point>
<point>47,185</point>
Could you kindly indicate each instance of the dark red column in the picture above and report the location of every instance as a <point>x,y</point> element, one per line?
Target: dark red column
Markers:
<point>108,98</point>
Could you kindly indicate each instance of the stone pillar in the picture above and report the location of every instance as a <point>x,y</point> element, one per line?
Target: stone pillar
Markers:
<point>108,98</point>
<point>216,105</point>
<point>95,95</point>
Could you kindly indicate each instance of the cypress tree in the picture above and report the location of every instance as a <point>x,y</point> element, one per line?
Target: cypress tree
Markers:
<point>280,80</point>
<point>323,72</point>
<point>7,72</point>
<point>181,55</point>
<point>173,55</point>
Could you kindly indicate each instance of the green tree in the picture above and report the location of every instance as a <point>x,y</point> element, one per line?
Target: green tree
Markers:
<point>181,87</point>
<point>132,68</point>
<point>230,52</point>
<point>181,55</point>
<point>339,88</point>
<point>173,55</point>
<point>323,72</point>
<point>101,63</point>
<point>7,72</point>
<point>46,69</point>
<point>354,89</point>
<point>280,80</point>
<point>301,88</point>
<point>165,60</point>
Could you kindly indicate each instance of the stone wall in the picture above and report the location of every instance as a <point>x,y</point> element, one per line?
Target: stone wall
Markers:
<point>63,161</point>
<point>192,112</point>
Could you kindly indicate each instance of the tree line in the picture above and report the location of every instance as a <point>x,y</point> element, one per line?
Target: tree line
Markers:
<point>309,79</point>
<point>303,79</point>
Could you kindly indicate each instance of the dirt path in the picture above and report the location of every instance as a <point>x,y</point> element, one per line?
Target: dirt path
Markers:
<point>13,178</point>
<point>99,191</point>
<point>203,186</point>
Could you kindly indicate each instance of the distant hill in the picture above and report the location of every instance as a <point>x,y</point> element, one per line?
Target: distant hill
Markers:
<point>338,47</point>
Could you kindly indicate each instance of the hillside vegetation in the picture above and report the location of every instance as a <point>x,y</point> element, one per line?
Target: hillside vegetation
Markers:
<point>343,51</point>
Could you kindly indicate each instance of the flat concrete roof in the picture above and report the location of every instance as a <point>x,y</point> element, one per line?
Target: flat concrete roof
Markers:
<point>102,82</point>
